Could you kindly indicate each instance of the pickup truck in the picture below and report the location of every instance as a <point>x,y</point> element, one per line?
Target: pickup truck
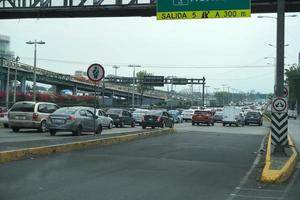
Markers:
<point>203,117</point>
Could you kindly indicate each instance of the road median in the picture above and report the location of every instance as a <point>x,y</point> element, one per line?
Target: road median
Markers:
<point>7,156</point>
<point>270,175</point>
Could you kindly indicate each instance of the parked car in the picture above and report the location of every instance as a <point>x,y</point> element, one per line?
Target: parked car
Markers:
<point>30,115</point>
<point>176,116</point>
<point>254,117</point>
<point>292,114</point>
<point>233,115</point>
<point>4,117</point>
<point>74,119</point>
<point>218,116</point>
<point>157,118</point>
<point>138,116</point>
<point>106,121</point>
<point>203,117</point>
<point>187,115</point>
<point>121,117</point>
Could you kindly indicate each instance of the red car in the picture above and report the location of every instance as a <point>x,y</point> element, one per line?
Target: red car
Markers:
<point>203,117</point>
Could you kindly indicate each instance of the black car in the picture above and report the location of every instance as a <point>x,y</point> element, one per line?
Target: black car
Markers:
<point>254,117</point>
<point>121,117</point>
<point>157,118</point>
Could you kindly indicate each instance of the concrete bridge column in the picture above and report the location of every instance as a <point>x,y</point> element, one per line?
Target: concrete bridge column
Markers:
<point>75,90</point>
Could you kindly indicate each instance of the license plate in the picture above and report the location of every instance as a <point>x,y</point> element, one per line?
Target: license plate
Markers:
<point>58,121</point>
<point>21,117</point>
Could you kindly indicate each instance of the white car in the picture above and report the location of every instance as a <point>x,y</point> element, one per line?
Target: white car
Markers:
<point>292,114</point>
<point>4,119</point>
<point>106,121</point>
<point>187,115</point>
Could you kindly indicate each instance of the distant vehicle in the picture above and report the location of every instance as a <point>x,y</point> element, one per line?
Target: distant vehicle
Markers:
<point>30,115</point>
<point>157,118</point>
<point>187,115</point>
<point>254,117</point>
<point>73,119</point>
<point>233,115</point>
<point>4,117</point>
<point>176,116</point>
<point>138,115</point>
<point>106,121</point>
<point>292,114</point>
<point>121,117</point>
<point>218,117</point>
<point>203,117</point>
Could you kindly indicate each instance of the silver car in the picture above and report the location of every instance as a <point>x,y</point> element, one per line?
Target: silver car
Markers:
<point>138,115</point>
<point>74,119</point>
<point>105,119</point>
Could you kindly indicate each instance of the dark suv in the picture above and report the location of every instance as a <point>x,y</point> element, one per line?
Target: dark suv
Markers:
<point>253,117</point>
<point>121,117</point>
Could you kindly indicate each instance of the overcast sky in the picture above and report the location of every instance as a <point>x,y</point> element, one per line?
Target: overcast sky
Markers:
<point>189,48</point>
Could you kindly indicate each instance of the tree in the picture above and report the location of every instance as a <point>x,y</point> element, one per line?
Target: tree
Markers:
<point>141,87</point>
<point>293,81</point>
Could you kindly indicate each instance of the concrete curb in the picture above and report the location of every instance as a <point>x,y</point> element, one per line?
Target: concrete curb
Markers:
<point>7,156</point>
<point>281,175</point>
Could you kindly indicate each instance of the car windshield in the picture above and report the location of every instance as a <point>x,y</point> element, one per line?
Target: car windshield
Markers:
<point>256,114</point>
<point>198,112</point>
<point>114,111</point>
<point>23,107</point>
<point>65,111</point>
<point>173,112</point>
<point>154,112</point>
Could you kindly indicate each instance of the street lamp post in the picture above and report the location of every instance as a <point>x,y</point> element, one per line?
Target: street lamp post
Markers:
<point>7,85</point>
<point>34,66</point>
<point>16,60</point>
<point>223,92</point>
<point>133,82</point>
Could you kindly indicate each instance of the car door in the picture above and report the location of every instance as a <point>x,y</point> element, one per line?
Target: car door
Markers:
<point>102,118</point>
<point>83,119</point>
<point>90,120</point>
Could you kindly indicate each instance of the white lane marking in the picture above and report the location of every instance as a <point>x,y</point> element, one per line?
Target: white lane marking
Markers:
<point>255,163</point>
<point>260,190</point>
<point>291,183</point>
<point>256,197</point>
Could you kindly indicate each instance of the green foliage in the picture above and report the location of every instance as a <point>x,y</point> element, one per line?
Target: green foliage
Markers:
<point>140,76</point>
<point>293,81</point>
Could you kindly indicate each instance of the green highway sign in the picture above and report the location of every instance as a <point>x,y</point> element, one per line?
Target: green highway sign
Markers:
<point>202,9</point>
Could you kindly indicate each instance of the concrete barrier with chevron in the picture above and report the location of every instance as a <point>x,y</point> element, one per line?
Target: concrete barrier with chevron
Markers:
<point>279,128</point>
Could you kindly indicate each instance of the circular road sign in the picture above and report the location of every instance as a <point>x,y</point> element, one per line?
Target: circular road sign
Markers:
<point>285,92</point>
<point>279,104</point>
<point>95,72</point>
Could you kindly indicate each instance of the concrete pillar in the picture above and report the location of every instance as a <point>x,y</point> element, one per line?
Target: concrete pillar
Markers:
<point>23,85</point>
<point>75,90</point>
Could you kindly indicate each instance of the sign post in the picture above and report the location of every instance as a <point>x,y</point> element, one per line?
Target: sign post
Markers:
<point>279,120</point>
<point>189,9</point>
<point>95,73</point>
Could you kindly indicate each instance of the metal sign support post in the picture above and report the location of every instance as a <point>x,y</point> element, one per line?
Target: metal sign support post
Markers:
<point>279,146</point>
<point>95,101</point>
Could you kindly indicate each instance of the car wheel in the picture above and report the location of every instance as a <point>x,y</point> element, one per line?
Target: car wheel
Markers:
<point>99,129</point>
<point>193,124</point>
<point>212,124</point>
<point>163,125</point>
<point>5,125</point>
<point>153,127</point>
<point>208,124</point>
<point>223,124</point>
<point>171,125</point>
<point>42,127</point>
<point>78,131</point>
<point>15,129</point>
<point>110,125</point>
<point>144,127</point>
<point>133,124</point>
<point>122,124</point>
<point>52,132</point>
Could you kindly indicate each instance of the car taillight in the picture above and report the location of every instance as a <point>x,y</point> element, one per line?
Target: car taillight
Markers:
<point>158,119</point>
<point>35,116</point>
<point>71,118</point>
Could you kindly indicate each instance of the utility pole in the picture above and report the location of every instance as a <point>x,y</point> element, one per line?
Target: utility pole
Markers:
<point>133,82</point>
<point>7,86</point>
<point>16,74</point>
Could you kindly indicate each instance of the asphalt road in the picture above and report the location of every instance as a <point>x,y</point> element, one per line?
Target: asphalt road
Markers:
<point>198,162</point>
